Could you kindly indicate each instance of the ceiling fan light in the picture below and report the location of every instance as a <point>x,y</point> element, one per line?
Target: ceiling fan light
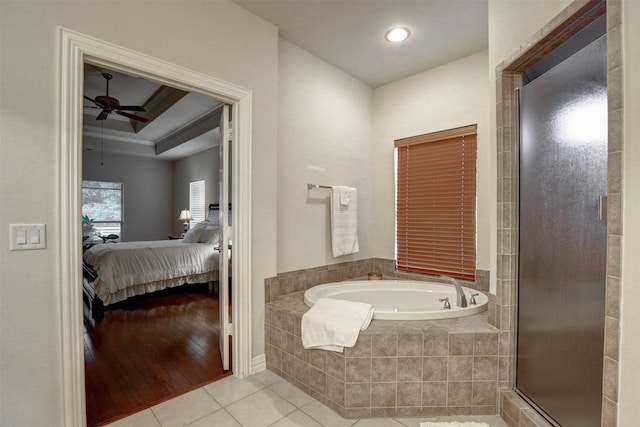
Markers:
<point>397,34</point>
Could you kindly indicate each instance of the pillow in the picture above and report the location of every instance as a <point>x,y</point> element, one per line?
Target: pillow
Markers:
<point>193,235</point>
<point>213,216</point>
<point>203,232</point>
<point>210,235</point>
<point>206,224</point>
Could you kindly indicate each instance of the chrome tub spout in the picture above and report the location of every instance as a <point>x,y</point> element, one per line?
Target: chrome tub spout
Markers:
<point>461,299</point>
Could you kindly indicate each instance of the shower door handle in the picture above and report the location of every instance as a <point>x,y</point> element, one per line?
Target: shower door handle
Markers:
<point>602,208</point>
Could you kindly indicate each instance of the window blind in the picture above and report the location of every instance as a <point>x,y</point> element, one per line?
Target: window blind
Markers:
<point>436,203</point>
<point>197,201</point>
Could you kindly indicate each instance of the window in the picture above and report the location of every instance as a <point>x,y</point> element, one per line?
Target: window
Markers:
<point>196,201</point>
<point>102,205</point>
<point>436,203</point>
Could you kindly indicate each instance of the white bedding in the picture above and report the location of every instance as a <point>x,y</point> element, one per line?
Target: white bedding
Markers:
<point>134,268</point>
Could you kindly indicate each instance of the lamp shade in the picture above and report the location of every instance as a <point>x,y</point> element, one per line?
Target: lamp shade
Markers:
<point>185,215</point>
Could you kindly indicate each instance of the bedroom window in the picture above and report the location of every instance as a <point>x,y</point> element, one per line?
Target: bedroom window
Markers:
<point>197,204</point>
<point>436,203</point>
<point>102,205</point>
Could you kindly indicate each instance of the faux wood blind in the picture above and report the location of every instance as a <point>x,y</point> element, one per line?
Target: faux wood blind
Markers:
<point>197,201</point>
<point>436,203</point>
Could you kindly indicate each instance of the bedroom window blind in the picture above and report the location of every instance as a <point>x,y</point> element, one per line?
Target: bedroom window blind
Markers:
<point>197,201</point>
<point>436,203</point>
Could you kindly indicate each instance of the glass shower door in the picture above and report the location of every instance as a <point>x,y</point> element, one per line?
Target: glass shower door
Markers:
<point>562,240</point>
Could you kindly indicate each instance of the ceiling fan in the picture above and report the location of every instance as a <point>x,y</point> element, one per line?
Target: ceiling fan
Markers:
<point>110,105</point>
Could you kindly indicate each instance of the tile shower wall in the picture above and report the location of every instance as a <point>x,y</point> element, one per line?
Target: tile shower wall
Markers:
<point>517,413</point>
<point>408,368</point>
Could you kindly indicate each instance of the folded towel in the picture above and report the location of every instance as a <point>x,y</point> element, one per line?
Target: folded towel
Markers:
<point>344,220</point>
<point>345,195</point>
<point>332,324</point>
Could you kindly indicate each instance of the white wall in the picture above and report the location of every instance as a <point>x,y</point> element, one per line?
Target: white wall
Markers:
<point>629,391</point>
<point>201,166</point>
<point>217,38</point>
<point>333,129</point>
<point>511,24</point>
<point>148,192</point>
<point>325,125</point>
<point>452,95</point>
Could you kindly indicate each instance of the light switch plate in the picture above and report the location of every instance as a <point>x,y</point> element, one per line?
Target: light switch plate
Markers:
<point>35,233</point>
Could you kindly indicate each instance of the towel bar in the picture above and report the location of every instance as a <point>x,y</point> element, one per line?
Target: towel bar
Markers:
<point>312,186</point>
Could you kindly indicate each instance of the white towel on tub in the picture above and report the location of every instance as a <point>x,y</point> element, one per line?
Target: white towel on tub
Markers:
<point>344,220</point>
<point>332,324</point>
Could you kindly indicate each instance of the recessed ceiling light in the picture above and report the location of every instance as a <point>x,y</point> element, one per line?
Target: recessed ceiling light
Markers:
<point>397,34</point>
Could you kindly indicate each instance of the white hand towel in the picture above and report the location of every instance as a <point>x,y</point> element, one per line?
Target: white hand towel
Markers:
<point>345,195</point>
<point>332,324</point>
<point>344,221</point>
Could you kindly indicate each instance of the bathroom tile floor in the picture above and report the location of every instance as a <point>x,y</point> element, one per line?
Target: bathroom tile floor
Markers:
<point>263,399</point>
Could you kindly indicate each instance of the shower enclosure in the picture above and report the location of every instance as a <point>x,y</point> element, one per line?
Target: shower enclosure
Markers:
<point>562,238</point>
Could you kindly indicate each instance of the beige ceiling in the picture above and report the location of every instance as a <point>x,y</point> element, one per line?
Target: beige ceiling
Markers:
<point>349,34</point>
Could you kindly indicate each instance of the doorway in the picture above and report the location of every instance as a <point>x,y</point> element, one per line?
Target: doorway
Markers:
<point>76,49</point>
<point>563,234</point>
<point>153,141</point>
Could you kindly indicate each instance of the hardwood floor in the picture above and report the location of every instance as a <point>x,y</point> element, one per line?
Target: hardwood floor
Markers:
<point>150,349</point>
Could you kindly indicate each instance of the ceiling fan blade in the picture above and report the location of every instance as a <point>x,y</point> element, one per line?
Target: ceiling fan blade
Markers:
<point>102,116</point>
<point>133,116</point>
<point>98,104</point>
<point>131,108</point>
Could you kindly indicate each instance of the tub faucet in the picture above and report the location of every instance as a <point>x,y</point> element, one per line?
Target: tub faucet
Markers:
<point>472,300</point>
<point>461,300</point>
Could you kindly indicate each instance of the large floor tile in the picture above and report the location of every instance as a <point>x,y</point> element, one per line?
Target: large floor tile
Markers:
<point>297,419</point>
<point>378,422</point>
<point>261,408</point>
<point>185,409</point>
<point>415,422</point>
<point>292,393</point>
<point>231,389</point>
<point>140,419</point>
<point>325,416</point>
<point>267,377</point>
<point>219,418</point>
<point>493,420</point>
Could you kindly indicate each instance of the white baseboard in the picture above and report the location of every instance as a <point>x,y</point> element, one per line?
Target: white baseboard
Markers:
<point>258,364</point>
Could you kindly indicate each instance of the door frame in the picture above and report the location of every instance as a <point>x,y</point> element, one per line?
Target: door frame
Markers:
<point>524,384</point>
<point>75,50</point>
<point>509,76</point>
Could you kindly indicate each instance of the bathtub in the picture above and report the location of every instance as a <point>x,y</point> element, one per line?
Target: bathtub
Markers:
<point>400,299</point>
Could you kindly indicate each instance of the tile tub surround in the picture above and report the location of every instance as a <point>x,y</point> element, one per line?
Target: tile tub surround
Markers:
<point>301,280</point>
<point>397,368</point>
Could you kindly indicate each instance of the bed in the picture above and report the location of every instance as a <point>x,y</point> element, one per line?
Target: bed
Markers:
<point>113,272</point>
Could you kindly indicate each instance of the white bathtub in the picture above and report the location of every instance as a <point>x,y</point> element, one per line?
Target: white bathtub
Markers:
<point>400,299</point>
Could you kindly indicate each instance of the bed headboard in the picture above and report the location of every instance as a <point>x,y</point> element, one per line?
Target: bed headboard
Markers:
<point>213,214</point>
